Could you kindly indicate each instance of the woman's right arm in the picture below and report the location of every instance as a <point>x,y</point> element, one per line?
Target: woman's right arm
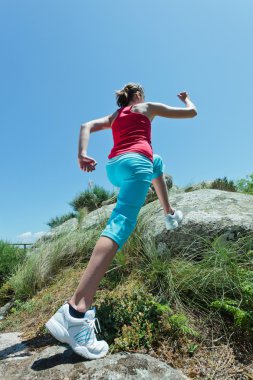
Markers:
<point>160,109</point>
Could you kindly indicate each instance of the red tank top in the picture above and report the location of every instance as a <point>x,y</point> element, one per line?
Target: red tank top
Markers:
<point>131,133</point>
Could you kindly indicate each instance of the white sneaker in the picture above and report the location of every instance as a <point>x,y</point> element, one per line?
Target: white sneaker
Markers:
<point>173,221</point>
<point>77,332</point>
<point>179,216</point>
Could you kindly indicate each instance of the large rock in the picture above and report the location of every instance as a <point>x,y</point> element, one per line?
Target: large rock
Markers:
<point>12,349</point>
<point>68,226</point>
<point>60,362</point>
<point>4,309</point>
<point>207,213</point>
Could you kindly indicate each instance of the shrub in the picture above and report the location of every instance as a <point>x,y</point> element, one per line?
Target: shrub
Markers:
<point>202,185</point>
<point>242,318</point>
<point>58,220</point>
<point>91,199</point>
<point>10,257</point>
<point>223,184</point>
<point>6,293</point>
<point>245,185</point>
<point>132,318</point>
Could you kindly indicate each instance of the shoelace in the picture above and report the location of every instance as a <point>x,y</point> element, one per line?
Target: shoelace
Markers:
<point>92,323</point>
<point>87,335</point>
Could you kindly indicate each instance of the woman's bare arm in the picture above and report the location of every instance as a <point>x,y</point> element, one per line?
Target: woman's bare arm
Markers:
<point>90,127</point>
<point>160,109</point>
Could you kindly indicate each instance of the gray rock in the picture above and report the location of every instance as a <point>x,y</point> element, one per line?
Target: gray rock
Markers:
<point>113,199</point>
<point>60,362</point>
<point>12,348</point>
<point>207,213</point>
<point>198,186</point>
<point>68,226</point>
<point>97,216</point>
<point>4,309</point>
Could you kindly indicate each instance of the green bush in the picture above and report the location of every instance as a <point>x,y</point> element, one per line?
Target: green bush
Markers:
<point>240,309</point>
<point>242,318</point>
<point>245,185</point>
<point>223,184</point>
<point>132,319</point>
<point>202,185</point>
<point>91,199</point>
<point>6,293</point>
<point>58,220</point>
<point>10,258</point>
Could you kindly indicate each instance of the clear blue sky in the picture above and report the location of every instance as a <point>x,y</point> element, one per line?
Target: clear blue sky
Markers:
<point>61,62</point>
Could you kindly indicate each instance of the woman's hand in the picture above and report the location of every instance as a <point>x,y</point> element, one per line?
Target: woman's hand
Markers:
<point>86,163</point>
<point>183,96</point>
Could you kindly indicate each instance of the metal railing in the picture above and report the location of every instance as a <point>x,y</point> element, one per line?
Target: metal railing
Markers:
<point>24,244</point>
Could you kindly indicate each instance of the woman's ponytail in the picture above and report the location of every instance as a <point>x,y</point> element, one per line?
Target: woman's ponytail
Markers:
<point>125,95</point>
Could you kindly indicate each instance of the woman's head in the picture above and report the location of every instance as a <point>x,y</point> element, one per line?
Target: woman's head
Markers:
<point>130,92</point>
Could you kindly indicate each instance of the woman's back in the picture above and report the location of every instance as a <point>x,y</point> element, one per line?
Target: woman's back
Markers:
<point>131,132</point>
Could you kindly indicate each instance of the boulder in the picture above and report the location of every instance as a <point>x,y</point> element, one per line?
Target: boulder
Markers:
<point>207,214</point>
<point>61,362</point>
<point>68,226</point>
<point>4,309</point>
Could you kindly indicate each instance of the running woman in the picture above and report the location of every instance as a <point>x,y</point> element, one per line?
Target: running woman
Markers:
<point>132,167</point>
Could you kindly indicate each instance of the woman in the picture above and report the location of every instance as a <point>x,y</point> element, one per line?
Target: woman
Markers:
<point>132,167</point>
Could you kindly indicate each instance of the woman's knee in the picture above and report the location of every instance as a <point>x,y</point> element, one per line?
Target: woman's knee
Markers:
<point>158,166</point>
<point>119,228</point>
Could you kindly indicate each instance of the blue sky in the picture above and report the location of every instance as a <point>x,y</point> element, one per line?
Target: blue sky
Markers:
<point>61,63</point>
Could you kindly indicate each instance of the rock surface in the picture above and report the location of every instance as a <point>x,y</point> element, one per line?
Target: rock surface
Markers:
<point>12,348</point>
<point>207,213</point>
<point>4,309</point>
<point>60,362</point>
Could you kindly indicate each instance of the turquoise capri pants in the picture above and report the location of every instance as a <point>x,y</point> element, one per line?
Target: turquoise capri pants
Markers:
<point>132,173</point>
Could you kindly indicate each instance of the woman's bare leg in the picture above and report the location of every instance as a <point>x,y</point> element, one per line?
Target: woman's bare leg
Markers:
<point>162,193</point>
<point>102,255</point>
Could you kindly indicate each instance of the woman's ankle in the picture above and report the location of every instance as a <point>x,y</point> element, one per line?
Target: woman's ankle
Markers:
<point>170,211</point>
<point>80,308</point>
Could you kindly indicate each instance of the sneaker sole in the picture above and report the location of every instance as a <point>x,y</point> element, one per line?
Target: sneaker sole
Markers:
<point>57,331</point>
<point>171,228</point>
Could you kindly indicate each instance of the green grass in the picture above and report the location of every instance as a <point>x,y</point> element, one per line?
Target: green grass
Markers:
<point>49,258</point>
<point>10,258</point>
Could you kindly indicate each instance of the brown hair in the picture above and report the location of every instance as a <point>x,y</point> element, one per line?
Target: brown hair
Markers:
<point>125,95</point>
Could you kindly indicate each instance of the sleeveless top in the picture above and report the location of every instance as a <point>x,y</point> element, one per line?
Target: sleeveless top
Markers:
<point>131,133</point>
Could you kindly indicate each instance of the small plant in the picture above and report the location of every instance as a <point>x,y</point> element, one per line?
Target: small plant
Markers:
<point>180,325</point>
<point>28,306</point>
<point>82,213</point>
<point>223,184</point>
<point>242,318</point>
<point>58,220</point>
<point>245,185</point>
<point>6,293</point>
<point>91,199</point>
<point>192,348</point>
